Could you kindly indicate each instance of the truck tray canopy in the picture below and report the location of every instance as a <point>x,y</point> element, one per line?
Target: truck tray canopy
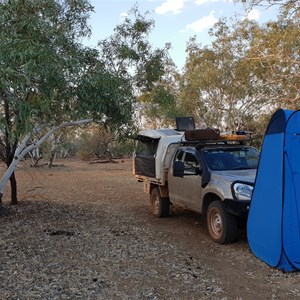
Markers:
<point>147,160</point>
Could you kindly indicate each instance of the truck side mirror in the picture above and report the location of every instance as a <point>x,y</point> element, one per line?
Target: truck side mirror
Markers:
<point>178,169</point>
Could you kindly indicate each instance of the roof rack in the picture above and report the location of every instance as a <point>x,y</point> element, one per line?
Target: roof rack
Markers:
<point>213,136</point>
<point>202,143</point>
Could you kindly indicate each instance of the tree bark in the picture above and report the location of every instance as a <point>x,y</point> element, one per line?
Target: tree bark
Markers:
<point>12,178</point>
<point>51,159</point>
<point>13,187</point>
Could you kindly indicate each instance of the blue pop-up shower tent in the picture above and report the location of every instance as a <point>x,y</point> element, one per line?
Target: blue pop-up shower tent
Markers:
<point>273,227</point>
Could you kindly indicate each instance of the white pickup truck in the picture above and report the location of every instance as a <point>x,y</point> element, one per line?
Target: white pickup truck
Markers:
<point>210,175</point>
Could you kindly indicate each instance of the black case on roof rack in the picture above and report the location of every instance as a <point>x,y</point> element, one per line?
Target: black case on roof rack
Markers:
<point>202,134</point>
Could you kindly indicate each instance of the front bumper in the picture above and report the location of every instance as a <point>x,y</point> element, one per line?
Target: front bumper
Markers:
<point>237,208</point>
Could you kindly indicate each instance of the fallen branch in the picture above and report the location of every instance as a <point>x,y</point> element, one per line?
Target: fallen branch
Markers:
<point>103,161</point>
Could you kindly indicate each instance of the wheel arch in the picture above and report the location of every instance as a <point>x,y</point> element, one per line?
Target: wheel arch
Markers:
<point>163,189</point>
<point>160,205</point>
<point>208,198</point>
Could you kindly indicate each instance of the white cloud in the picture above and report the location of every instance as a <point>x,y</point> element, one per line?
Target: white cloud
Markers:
<point>123,15</point>
<point>253,14</point>
<point>203,23</point>
<point>172,6</point>
<point>200,2</point>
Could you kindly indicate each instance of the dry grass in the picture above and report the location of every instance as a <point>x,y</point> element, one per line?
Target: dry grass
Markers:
<point>85,231</point>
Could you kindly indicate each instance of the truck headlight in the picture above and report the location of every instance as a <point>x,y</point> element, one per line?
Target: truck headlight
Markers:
<point>242,191</point>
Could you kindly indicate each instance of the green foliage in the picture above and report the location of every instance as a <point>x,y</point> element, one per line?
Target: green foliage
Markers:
<point>123,148</point>
<point>160,106</point>
<point>258,127</point>
<point>40,62</point>
<point>84,146</point>
<point>47,77</point>
<point>248,69</point>
<point>276,48</point>
<point>105,97</point>
<point>216,84</point>
<point>128,53</point>
<point>102,142</point>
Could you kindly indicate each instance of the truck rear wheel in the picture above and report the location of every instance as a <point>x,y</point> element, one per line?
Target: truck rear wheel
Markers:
<point>221,225</point>
<point>160,206</point>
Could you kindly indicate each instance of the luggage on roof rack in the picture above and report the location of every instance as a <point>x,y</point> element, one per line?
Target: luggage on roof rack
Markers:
<point>213,136</point>
<point>234,137</point>
<point>202,134</point>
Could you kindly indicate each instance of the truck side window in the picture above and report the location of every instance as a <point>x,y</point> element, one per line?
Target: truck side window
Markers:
<point>191,164</point>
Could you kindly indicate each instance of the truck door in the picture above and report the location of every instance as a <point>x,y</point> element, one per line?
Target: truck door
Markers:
<point>186,190</point>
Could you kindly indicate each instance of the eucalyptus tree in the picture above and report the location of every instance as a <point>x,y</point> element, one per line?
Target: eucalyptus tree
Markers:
<point>129,54</point>
<point>48,80</point>
<point>220,86</point>
<point>276,48</point>
<point>160,103</point>
<point>289,6</point>
<point>39,64</point>
<point>250,69</point>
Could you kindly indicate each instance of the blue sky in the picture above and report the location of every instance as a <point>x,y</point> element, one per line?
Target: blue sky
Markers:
<point>175,20</point>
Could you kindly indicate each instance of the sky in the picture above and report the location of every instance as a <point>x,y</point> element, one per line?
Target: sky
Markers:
<point>176,21</point>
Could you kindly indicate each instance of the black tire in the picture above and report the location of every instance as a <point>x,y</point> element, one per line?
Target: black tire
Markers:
<point>160,206</point>
<point>222,226</point>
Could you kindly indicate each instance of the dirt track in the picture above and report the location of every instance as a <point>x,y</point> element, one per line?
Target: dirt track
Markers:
<point>85,231</point>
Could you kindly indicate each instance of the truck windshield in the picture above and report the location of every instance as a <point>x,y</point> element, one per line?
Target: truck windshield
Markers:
<point>231,159</point>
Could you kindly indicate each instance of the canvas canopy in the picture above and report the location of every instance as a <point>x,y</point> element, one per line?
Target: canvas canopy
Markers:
<point>273,227</point>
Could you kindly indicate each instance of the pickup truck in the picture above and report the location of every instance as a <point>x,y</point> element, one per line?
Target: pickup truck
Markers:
<point>214,177</point>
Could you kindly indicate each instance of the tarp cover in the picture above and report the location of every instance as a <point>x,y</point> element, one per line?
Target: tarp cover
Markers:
<point>145,165</point>
<point>273,227</point>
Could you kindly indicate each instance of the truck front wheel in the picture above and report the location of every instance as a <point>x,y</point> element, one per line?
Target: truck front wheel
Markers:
<point>160,206</point>
<point>222,226</point>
